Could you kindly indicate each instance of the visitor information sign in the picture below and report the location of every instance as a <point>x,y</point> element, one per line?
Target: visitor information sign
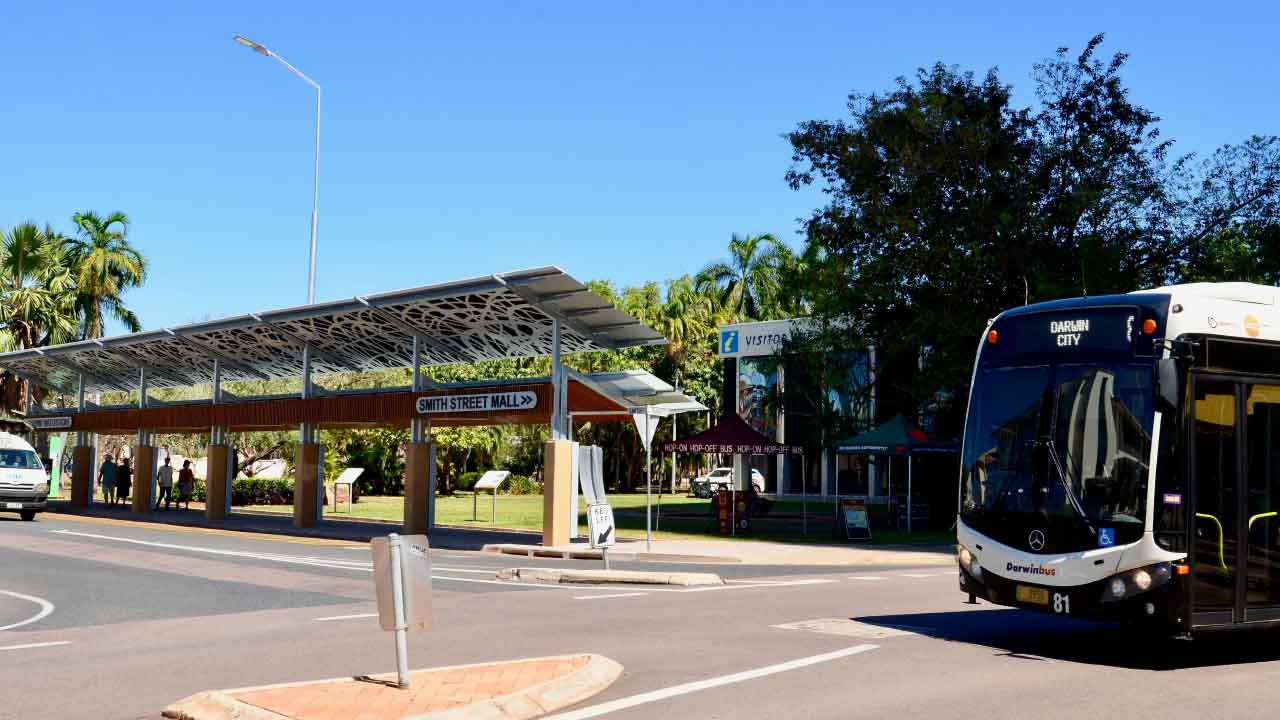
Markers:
<point>853,513</point>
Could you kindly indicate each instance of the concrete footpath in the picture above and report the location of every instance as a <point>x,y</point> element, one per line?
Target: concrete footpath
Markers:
<point>513,690</point>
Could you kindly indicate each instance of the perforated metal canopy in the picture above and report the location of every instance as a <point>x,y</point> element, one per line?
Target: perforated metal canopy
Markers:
<point>506,315</point>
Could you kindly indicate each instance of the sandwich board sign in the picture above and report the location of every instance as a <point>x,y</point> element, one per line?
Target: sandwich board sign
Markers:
<point>600,525</point>
<point>853,515</point>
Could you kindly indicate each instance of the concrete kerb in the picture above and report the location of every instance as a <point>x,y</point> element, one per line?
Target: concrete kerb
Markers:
<point>585,553</point>
<point>599,673</point>
<point>608,577</point>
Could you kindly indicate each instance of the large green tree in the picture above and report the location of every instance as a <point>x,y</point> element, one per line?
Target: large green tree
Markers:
<point>948,204</point>
<point>105,265</point>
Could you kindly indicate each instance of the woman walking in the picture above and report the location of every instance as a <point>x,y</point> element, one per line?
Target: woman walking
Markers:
<point>186,484</point>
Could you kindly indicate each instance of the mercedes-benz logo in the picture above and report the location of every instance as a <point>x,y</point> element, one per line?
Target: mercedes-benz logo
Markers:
<point>1036,540</point>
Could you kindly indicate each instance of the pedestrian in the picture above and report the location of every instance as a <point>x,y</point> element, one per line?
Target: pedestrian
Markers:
<point>164,478</point>
<point>124,480</point>
<point>186,484</point>
<point>107,480</point>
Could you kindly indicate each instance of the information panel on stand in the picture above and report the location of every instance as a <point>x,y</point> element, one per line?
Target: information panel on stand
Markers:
<point>853,514</point>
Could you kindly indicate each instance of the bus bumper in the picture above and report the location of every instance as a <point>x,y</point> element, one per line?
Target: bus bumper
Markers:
<point>1161,606</point>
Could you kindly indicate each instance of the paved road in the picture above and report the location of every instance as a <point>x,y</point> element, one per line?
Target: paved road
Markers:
<point>110,620</point>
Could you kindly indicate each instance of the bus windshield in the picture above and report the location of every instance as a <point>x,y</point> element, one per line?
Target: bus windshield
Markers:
<point>1058,448</point>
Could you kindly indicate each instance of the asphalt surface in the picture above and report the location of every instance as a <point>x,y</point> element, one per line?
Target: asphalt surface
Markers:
<point>110,620</point>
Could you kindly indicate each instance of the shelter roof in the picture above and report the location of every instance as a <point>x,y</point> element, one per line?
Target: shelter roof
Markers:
<point>731,435</point>
<point>500,316</point>
<point>896,436</point>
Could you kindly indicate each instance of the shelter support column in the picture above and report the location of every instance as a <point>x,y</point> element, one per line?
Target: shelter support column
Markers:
<point>419,480</point>
<point>144,472</point>
<point>557,485</point>
<point>218,477</point>
<point>307,484</point>
<point>81,471</point>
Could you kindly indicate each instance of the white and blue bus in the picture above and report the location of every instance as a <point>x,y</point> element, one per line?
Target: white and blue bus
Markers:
<point>1121,459</point>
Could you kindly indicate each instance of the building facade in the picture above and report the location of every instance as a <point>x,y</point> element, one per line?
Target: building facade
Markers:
<point>755,378</point>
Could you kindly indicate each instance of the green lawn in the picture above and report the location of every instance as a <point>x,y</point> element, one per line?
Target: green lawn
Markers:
<point>681,518</point>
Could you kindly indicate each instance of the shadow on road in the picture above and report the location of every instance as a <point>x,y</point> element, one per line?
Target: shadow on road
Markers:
<point>1037,637</point>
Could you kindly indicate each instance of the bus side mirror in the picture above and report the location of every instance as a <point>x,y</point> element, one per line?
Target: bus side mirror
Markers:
<point>1168,394</point>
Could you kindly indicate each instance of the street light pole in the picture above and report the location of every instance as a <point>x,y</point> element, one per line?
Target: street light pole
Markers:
<point>315,195</point>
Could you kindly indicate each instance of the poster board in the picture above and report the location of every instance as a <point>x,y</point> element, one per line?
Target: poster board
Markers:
<point>853,516</point>
<point>492,479</point>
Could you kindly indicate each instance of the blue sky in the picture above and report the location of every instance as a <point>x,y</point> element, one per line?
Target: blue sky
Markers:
<point>618,140</point>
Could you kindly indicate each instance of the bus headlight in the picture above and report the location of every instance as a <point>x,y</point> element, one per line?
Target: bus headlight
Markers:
<point>1116,588</point>
<point>41,488</point>
<point>1142,580</point>
<point>966,557</point>
<point>1128,584</point>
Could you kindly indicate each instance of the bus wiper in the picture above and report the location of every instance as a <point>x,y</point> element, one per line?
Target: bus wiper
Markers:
<point>1066,484</point>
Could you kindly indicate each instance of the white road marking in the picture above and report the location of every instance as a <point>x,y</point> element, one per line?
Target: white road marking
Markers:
<point>916,575</point>
<point>346,617</point>
<point>310,561</point>
<point>46,608</point>
<point>35,645</point>
<point>686,688</point>
<point>769,584</point>
<point>609,595</point>
<point>865,577</point>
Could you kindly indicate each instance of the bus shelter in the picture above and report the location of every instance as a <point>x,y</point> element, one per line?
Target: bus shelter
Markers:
<point>898,436</point>
<point>537,313</point>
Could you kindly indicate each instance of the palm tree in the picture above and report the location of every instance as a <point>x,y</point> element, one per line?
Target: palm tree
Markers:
<point>687,318</point>
<point>105,266</point>
<point>748,284</point>
<point>37,297</point>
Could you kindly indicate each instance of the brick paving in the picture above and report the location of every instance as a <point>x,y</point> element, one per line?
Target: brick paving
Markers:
<point>429,691</point>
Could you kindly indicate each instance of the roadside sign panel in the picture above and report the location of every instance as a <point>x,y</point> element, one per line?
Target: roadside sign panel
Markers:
<point>600,525</point>
<point>415,568</point>
<point>478,402</point>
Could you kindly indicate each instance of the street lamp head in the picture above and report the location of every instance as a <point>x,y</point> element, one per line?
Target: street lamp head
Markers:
<point>261,50</point>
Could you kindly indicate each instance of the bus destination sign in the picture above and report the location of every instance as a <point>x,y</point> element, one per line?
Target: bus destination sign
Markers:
<point>1102,329</point>
<point>1068,332</point>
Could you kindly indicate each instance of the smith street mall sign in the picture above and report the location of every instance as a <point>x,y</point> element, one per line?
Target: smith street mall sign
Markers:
<point>49,423</point>
<point>479,402</point>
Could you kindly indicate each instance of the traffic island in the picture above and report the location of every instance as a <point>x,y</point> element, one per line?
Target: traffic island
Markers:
<point>609,577</point>
<point>512,690</point>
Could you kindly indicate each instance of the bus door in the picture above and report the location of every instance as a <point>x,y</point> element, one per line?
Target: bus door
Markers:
<point>1235,467</point>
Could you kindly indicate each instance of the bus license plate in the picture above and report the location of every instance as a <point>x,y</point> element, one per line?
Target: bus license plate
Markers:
<point>1025,594</point>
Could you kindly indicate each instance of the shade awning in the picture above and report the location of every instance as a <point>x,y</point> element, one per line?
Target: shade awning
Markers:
<point>499,316</point>
<point>896,436</point>
<point>732,435</point>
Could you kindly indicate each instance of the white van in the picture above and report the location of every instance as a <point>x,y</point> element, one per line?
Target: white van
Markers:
<point>24,484</point>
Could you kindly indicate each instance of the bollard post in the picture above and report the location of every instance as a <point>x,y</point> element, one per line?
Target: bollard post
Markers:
<point>397,594</point>
<point>604,553</point>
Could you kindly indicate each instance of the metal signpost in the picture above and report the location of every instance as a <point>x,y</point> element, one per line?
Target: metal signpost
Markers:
<point>489,481</point>
<point>402,578</point>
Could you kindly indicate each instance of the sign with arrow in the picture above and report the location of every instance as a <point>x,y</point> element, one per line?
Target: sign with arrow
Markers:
<point>600,525</point>
<point>479,402</point>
